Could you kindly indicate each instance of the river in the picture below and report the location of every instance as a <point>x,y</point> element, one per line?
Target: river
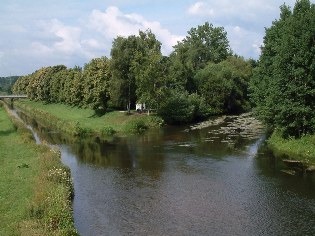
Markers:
<point>209,179</point>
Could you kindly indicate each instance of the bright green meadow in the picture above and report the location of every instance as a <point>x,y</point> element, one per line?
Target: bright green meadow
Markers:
<point>74,120</point>
<point>35,188</point>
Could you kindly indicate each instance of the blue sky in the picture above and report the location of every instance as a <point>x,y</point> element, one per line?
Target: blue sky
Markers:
<point>45,33</point>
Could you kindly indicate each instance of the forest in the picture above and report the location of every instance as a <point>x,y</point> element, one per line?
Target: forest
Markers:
<point>6,84</point>
<point>200,78</point>
<point>283,85</point>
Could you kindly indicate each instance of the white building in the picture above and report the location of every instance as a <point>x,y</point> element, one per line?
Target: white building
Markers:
<point>140,107</point>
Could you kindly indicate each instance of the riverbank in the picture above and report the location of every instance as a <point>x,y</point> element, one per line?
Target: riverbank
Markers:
<point>302,149</point>
<point>80,122</point>
<point>36,189</point>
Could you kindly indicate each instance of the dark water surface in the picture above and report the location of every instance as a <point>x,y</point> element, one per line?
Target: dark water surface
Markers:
<point>185,181</point>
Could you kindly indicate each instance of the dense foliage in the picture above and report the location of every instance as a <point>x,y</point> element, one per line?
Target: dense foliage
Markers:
<point>77,87</point>
<point>137,70</point>
<point>202,45</point>
<point>283,87</point>
<point>200,78</point>
<point>6,84</point>
<point>224,85</point>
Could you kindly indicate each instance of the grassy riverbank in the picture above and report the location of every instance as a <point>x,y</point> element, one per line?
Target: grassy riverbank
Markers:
<point>302,149</point>
<point>80,121</point>
<point>35,188</point>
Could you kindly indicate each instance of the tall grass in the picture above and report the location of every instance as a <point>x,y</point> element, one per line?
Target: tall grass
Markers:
<point>36,189</point>
<point>302,149</point>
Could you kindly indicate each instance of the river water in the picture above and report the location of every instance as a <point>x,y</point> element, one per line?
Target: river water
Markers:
<point>210,179</point>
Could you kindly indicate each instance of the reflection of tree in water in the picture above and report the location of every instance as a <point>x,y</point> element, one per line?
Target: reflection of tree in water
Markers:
<point>101,153</point>
<point>147,152</point>
<point>128,153</point>
<point>132,153</point>
<point>272,167</point>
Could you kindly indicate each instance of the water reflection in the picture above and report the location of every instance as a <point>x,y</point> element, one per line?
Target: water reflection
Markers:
<point>147,151</point>
<point>132,153</point>
<point>271,167</point>
<point>217,180</point>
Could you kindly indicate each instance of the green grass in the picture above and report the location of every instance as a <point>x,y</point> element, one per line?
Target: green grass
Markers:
<point>33,199</point>
<point>17,184</point>
<point>302,149</point>
<point>77,120</point>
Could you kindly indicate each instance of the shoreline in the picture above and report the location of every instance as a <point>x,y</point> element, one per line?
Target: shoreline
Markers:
<point>298,154</point>
<point>47,207</point>
<point>280,147</point>
<point>82,122</point>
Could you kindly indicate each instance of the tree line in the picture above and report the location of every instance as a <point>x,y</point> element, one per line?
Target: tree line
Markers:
<point>283,85</point>
<point>201,77</point>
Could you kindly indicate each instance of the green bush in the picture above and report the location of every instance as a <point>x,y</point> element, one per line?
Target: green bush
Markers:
<point>137,126</point>
<point>201,109</point>
<point>108,131</point>
<point>155,121</point>
<point>181,108</point>
<point>81,131</point>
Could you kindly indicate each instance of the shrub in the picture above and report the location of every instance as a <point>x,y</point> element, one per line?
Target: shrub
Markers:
<point>137,126</point>
<point>181,108</point>
<point>81,131</point>
<point>108,131</point>
<point>201,109</point>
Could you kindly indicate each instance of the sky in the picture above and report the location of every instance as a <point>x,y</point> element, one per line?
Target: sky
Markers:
<point>34,34</point>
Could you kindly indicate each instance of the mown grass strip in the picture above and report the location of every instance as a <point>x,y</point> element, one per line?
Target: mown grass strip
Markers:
<point>18,169</point>
<point>35,188</point>
<point>79,121</point>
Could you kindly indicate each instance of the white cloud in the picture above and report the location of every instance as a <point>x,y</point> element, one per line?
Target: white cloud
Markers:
<point>93,37</point>
<point>196,8</point>
<point>39,48</point>
<point>113,23</point>
<point>68,37</point>
<point>243,41</point>
<point>230,9</point>
<point>243,20</point>
<point>200,8</point>
<point>74,34</point>
<point>92,43</point>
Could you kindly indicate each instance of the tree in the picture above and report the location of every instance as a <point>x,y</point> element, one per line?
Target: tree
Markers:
<point>122,85</point>
<point>149,69</point>
<point>44,81</point>
<point>74,87</point>
<point>56,86</point>
<point>96,84</point>
<point>138,70</point>
<point>283,87</point>
<point>224,85</point>
<point>179,107</point>
<point>203,44</point>
<point>6,84</point>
